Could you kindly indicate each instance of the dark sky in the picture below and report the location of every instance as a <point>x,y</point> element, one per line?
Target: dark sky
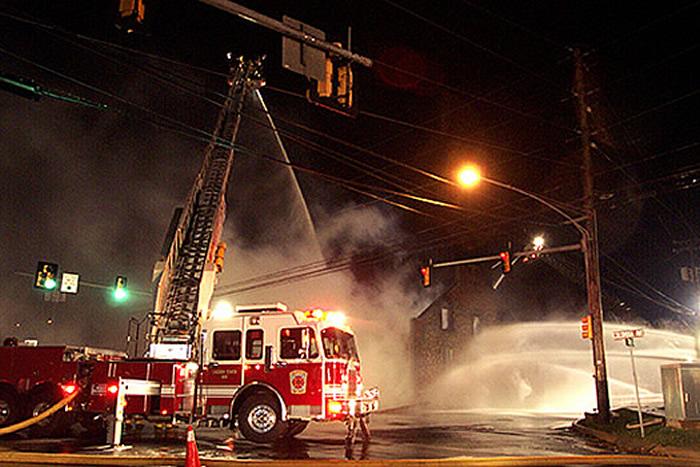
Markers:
<point>487,82</point>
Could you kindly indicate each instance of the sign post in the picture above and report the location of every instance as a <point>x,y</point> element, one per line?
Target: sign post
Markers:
<point>628,336</point>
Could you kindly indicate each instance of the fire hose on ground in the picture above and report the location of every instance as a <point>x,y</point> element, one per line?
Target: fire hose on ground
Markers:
<point>43,415</point>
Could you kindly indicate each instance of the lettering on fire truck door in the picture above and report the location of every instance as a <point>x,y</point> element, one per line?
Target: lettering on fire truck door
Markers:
<point>223,373</point>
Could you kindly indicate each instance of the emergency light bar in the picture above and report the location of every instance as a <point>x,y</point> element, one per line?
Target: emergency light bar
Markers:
<point>273,308</point>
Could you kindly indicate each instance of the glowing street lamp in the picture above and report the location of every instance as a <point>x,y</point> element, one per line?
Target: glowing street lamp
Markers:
<point>538,242</point>
<point>468,176</point>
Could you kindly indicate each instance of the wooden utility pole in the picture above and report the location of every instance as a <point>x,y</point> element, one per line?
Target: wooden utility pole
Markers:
<point>589,244</point>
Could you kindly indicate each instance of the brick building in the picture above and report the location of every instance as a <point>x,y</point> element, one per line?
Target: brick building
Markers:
<point>441,331</point>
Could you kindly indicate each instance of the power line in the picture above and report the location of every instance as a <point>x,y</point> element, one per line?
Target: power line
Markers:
<point>656,20</point>
<point>470,42</point>
<point>516,25</point>
<point>654,108</point>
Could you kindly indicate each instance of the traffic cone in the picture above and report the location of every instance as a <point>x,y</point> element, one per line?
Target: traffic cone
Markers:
<point>192,454</point>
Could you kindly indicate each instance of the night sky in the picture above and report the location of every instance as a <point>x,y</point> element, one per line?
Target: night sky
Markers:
<point>485,82</point>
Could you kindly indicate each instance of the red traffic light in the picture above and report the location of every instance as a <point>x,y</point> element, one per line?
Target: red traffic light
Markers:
<point>425,275</point>
<point>586,329</point>
<point>505,261</point>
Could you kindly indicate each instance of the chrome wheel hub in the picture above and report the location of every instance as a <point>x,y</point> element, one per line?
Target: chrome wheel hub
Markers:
<point>4,412</point>
<point>262,418</point>
<point>40,408</point>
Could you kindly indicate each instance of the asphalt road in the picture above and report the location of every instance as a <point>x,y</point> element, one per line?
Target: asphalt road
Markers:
<point>403,435</point>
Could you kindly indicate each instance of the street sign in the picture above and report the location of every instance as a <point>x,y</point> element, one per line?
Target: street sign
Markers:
<point>627,334</point>
<point>301,58</point>
<point>69,282</point>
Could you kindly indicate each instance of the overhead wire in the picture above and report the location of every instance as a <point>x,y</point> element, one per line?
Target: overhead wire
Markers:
<point>258,121</point>
<point>519,26</point>
<point>205,134</point>
<point>465,39</point>
<point>92,89</point>
<point>184,88</point>
<point>407,72</point>
<point>644,27</point>
<point>170,121</point>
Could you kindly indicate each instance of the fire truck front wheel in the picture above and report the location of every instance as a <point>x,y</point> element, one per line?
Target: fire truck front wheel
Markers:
<point>259,419</point>
<point>9,407</point>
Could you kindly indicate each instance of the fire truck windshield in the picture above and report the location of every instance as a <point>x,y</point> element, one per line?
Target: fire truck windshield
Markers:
<point>339,344</point>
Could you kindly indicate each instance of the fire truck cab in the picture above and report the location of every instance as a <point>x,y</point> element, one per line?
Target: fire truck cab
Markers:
<point>271,371</point>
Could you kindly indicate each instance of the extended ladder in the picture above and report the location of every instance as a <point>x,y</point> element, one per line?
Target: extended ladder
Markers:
<point>181,295</point>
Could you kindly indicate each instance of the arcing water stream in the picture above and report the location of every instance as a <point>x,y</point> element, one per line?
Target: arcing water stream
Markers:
<point>547,367</point>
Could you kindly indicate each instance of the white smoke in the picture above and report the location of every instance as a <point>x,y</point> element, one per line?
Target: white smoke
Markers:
<point>547,367</point>
<point>379,312</point>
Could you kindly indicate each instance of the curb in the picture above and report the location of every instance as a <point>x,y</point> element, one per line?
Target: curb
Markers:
<point>668,452</point>
<point>103,460</point>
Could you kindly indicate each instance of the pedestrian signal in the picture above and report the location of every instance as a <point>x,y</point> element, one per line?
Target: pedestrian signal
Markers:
<point>46,277</point>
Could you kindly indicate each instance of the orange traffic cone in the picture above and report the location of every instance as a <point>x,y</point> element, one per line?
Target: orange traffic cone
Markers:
<point>192,454</point>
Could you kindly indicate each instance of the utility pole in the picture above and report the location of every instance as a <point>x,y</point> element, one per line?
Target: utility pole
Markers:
<point>589,244</point>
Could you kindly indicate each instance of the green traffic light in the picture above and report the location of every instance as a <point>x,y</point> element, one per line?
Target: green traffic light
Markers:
<point>120,295</point>
<point>50,284</point>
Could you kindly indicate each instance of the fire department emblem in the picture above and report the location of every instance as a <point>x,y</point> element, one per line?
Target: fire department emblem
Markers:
<point>297,381</point>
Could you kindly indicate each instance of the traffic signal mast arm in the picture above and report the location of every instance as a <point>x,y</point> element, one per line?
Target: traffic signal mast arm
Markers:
<point>513,256</point>
<point>29,89</point>
<point>278,26</point>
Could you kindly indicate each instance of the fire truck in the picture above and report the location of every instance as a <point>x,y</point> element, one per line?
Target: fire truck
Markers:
<point>35,378</point>
<point>265,369</point>
<point>273,370</point>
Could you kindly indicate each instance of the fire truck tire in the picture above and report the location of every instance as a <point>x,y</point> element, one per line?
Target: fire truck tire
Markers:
<point>260,420</point>
<point>56,424</point>
<point>295,427</point>
<point>9,407</point>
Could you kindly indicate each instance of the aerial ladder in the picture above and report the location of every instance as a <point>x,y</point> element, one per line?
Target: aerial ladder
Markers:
<point>192,253</point>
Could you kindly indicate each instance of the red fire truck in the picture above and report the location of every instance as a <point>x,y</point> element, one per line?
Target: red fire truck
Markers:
<point>266,369</point>
<point>272,370</point>
<point>269,370</point>
<point>34,378</point>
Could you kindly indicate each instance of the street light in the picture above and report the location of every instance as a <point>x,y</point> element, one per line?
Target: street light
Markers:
<point>469,176</point>
<point>538,242</point>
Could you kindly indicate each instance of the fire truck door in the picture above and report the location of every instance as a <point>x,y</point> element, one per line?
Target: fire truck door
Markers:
<point>223,370</point>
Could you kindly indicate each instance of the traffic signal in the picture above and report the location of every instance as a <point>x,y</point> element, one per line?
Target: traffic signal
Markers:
<point>425,275</point>
<point>219,256</point>
<point>131,15</point>
<point>120,291</point>
<point>335,91</point>
<point>46,277</point>
<point>505,261</point>
<point>586,329</point>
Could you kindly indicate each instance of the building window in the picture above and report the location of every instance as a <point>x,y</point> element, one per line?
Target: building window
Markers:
<point>445,319</point>
<point>254,344</point>
<point>227,345</point>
